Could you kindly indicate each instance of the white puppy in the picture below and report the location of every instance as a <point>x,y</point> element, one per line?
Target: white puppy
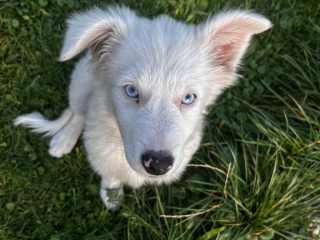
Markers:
<point>141,91</point>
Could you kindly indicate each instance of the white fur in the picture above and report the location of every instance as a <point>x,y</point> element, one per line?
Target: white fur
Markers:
<point>164,59</point>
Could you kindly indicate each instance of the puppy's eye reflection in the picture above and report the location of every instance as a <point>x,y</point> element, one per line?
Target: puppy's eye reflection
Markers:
<point>188,98</point>
<point>131,91</point>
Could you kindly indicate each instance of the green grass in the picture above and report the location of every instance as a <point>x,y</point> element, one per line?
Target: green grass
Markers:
<point>267,127</point>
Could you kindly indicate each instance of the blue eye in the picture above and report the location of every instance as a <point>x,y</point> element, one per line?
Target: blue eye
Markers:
<point>188,98</point>
<point>131,91</point>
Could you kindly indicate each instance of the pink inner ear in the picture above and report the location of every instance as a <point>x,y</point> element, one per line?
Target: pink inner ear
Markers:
<point>228,36</point>
<point>224,53</point>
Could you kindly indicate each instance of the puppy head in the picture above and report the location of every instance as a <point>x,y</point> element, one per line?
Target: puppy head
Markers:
<point>160,75</point>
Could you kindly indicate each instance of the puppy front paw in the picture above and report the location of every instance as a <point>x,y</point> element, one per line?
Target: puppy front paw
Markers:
<point>111,197</point>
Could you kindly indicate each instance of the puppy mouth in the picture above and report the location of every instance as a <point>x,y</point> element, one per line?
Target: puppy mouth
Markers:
<point>157,176</point>
<point>144,173</point>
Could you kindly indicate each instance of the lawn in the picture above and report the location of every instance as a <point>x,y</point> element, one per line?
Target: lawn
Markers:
<point>266,128</point>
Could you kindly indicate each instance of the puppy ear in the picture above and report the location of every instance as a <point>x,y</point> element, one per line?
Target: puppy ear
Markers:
<point>99,30</point>
<point>227,36</point>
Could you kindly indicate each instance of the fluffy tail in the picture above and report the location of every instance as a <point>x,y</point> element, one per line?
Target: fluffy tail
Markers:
<point>42,125</point>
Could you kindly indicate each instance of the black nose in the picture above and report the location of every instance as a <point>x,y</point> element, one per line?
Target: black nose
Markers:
<point>157,163</point>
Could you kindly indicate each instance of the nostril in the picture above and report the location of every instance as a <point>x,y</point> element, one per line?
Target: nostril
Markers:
<point>157,163</point>
<point>147,163</point>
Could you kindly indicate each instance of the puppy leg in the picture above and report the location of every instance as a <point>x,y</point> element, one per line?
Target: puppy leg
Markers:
<point>79,95</point>
<point>111,192</point>
<point>68,127</point>
<point>64,141</point>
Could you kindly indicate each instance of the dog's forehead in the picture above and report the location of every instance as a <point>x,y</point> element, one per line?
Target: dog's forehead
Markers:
<point>161,52</point>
